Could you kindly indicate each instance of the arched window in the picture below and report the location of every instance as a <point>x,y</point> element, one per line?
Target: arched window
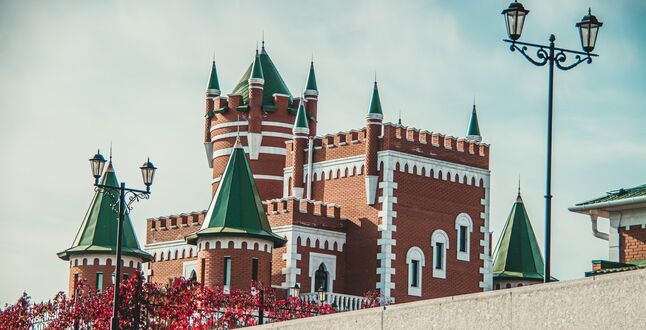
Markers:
<point>497,286</point>
<point>464,227</point>
<point>508,285</point>
<point>416,261</point>
<point>321,278</point>
<point>193,276</point>
<point>440,243</point>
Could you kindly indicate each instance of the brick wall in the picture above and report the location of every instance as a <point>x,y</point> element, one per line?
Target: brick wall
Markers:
<point>632,243</point>
<point>240,266</point>
<point>304,264</point>
<point>87,271</point>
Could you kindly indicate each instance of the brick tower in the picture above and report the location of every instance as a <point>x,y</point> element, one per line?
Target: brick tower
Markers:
<point>235,242</point>
<point>262,109</point>
<point>92,255</point>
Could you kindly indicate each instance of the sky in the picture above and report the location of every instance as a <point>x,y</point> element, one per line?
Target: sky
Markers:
<point>78,75</point>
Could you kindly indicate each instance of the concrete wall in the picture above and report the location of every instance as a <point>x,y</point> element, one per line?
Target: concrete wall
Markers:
<point>608,301</point>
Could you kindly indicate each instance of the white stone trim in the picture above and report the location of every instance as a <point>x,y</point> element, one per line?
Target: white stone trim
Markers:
<point>77,260</point>
<point>415,253</point>
<point>254,244</point>
<point>245,123</point>
<point>168,249</point>
<point>317,237</point>
<point>188,267</point>
<point>463,219</point>
<point>386,242</point>
<point>487,264</point>
<point>440,236</point>
<point>334,168</point>
<point>256,81</point>
<point>329,260</point>
<point>424,165</point>
<point>255,176</point>
<point>244,133</point>
<point>263,150</point>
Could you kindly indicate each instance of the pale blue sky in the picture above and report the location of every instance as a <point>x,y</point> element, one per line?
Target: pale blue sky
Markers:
<point>75,75</point>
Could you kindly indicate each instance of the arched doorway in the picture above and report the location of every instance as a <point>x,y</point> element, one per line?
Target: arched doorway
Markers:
<point>321,278</point>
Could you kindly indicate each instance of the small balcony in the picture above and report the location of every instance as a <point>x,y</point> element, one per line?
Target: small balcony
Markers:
<point>338,301</point>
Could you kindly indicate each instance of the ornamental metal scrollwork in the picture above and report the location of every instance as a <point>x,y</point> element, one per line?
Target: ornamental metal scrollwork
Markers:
<point>561,57</point>
<point>134,196</point>
<point>541,53</point>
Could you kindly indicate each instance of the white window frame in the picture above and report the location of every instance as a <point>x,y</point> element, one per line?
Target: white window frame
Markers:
<point>415,253</point>
<point>464,219</point>
<point>99,286</point>
<point>440,236</point>
<point>329,260</point>
<point>187,267</point>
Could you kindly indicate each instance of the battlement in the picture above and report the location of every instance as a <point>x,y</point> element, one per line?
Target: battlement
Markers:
<point>309,213</point>
<point>400,138</point>
<point>173,227</point>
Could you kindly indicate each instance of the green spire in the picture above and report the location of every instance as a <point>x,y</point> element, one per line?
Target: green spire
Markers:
<point>311,79</point>
<point>214,83</point>
<point>518,255</point>
<point>236,208</point>
<point>375,103</point>
<point>256,68</point>
<point>98,232</point>
<point>274,83</point>
<point>300,123</point>
<point>474,128</point>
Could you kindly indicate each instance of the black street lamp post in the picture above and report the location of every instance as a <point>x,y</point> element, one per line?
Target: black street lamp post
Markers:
<point>589,26</point>
<point>148,174</point>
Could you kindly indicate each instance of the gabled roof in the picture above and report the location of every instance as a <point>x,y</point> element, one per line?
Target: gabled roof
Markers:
<point>518,255</point>
<point>274,83</point>
<point>311,79</point>
<point>98,232</point>
<point>236,208</point>
<point>375,102</point>
<point>214,83</point>
<point>623,193</point>
<point>474,128</point>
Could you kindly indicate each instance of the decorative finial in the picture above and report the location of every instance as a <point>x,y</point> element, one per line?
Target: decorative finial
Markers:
<point>110,151</point>
<point>213,56</point>
<point>263,39</point>
<point>375,77</point>
<point>589,11</point>
<point>399,121</point>
<point>518,184</point>
<point>312,59</point>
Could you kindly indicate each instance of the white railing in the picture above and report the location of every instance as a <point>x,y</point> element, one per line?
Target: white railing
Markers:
<point>339,301</point>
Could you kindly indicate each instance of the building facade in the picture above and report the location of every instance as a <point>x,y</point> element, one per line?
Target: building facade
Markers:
<point>625,210</point>
<point>387,207</point>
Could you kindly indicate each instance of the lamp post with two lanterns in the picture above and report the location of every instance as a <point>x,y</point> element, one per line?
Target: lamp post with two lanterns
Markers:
<point>97,164</point>
<point>552,56</point>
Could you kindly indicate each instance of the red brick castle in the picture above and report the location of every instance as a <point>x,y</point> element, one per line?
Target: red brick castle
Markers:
<point>384,206</point>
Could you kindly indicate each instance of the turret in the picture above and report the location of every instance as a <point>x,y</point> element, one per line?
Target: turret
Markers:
<point>212,93</point>
<point>373,131</point>
<point>256,85</point>
<point>311,97</point>
<point>301,131</point>
<point>235,241</point>
<point>92,254</point>
<point>473,133</point>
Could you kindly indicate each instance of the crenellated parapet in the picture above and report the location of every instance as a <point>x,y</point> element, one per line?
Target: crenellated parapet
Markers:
<point>173,227</point>
<point>435,145</point>
<point>302,212</point>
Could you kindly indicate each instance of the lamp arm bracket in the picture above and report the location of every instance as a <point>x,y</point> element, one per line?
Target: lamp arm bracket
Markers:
<point>541,53</point>
<point>561,57</point>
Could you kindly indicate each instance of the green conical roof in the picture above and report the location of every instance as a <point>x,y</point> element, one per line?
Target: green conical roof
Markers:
<point>214,83</point>
<point>98,232</point>
<point>375,103</point>
<point>236,208</point>
<point>518,255</point>
<point>300,123</point>
<point>256,68</point>
<point>311,79</point>
<point>274,83</point>
<point>474,128</point>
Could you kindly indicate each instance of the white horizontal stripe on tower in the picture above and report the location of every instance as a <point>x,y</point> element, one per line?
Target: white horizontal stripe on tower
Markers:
<point>264,133</point>
<point>257,177</point>
<point>245,123</point>
<point>263,150</point>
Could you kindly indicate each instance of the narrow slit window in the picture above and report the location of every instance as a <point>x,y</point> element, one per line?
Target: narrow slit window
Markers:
<point>99,282</point>
<point>227,271</point>
<point>414,273</point>
<point>439,255</point>
<point>463,238</point>
<point>254,269</point>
